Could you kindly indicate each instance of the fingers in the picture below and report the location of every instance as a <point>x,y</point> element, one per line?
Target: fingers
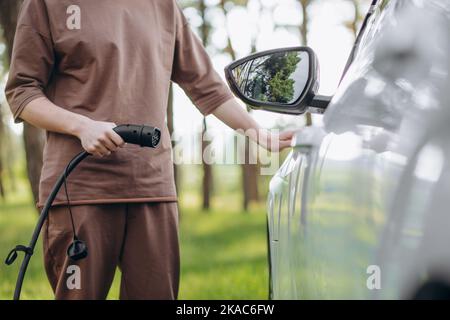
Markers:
<point>275,142</point>
<point>97,153</point>
<point>100,151</point>
<point>115,138</point>
<point>286,139</point>
<point>281,141</point>
<point>101,147</point>
<point>107,143</point>
<point>287,135</point>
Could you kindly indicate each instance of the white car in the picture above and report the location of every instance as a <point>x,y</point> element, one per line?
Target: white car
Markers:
<point>360,209</point>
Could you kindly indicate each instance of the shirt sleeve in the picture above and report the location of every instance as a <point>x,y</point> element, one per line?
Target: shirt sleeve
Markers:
<point>32,58</point>
<point>194,72</point>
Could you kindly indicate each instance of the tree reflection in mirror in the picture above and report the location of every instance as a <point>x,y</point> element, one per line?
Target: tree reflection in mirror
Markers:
<point>278,77</point>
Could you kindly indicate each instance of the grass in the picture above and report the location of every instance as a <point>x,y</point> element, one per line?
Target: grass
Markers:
<point>223,252</point>
<point>223,256</point>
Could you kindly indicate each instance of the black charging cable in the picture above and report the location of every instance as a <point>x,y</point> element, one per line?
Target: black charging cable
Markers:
<point>69,206</point>
<point>77,250</point>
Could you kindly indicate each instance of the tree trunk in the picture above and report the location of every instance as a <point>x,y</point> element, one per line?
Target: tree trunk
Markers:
<point>249,178</point>
<point>2,143</point>
<point>207,172</point>
<point>208,182</point>
<point>33,137</point>
<point>304,34</point>
<point>249,171</point>
<point>2,188</point>
<point>354,23</point>
<point>9,10</point>
<point>7,156</point>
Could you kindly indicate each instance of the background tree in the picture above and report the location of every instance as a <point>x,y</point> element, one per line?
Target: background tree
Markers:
<point>2,140</point>
<point>33,138</point>
<point>353,24</point>
<point>208,181</point>
<point>249,170</point>
<point>11,153</point>
<point>304,28</point>
<point>303,31</point>
<point>9,147</point>
<point>204,30</point>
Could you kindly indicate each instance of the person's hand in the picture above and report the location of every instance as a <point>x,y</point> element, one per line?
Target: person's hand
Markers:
<point>98,137</point>
<point>275,142</point>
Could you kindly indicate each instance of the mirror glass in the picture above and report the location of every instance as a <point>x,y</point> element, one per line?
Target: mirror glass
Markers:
<point>279,77</point>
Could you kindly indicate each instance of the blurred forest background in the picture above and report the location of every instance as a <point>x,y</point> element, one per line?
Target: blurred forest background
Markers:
<point>222,207</point>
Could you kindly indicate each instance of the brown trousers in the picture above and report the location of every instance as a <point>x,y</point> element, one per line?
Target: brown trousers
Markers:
<point>139,238</point>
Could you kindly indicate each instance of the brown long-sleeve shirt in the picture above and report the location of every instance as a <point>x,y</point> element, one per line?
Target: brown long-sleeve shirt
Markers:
<point>110,60</point>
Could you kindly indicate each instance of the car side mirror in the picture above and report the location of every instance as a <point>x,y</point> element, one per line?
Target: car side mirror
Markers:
<point>281,80</point>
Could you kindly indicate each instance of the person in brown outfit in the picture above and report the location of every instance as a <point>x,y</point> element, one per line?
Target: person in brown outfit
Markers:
<point>79,67</point>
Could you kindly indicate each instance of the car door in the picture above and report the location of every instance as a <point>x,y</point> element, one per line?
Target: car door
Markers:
<point>287,214</point>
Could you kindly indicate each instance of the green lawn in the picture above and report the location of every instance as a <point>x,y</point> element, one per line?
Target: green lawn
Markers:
<point>223,252</point>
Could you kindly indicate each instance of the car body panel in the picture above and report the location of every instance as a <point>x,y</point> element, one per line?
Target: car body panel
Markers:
<point>366,193</point>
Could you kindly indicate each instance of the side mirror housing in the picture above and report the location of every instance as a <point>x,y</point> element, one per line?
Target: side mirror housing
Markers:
<point>282,80</point>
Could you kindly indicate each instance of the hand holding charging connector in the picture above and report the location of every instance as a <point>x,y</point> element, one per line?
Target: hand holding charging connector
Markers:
<point>145,136</point>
